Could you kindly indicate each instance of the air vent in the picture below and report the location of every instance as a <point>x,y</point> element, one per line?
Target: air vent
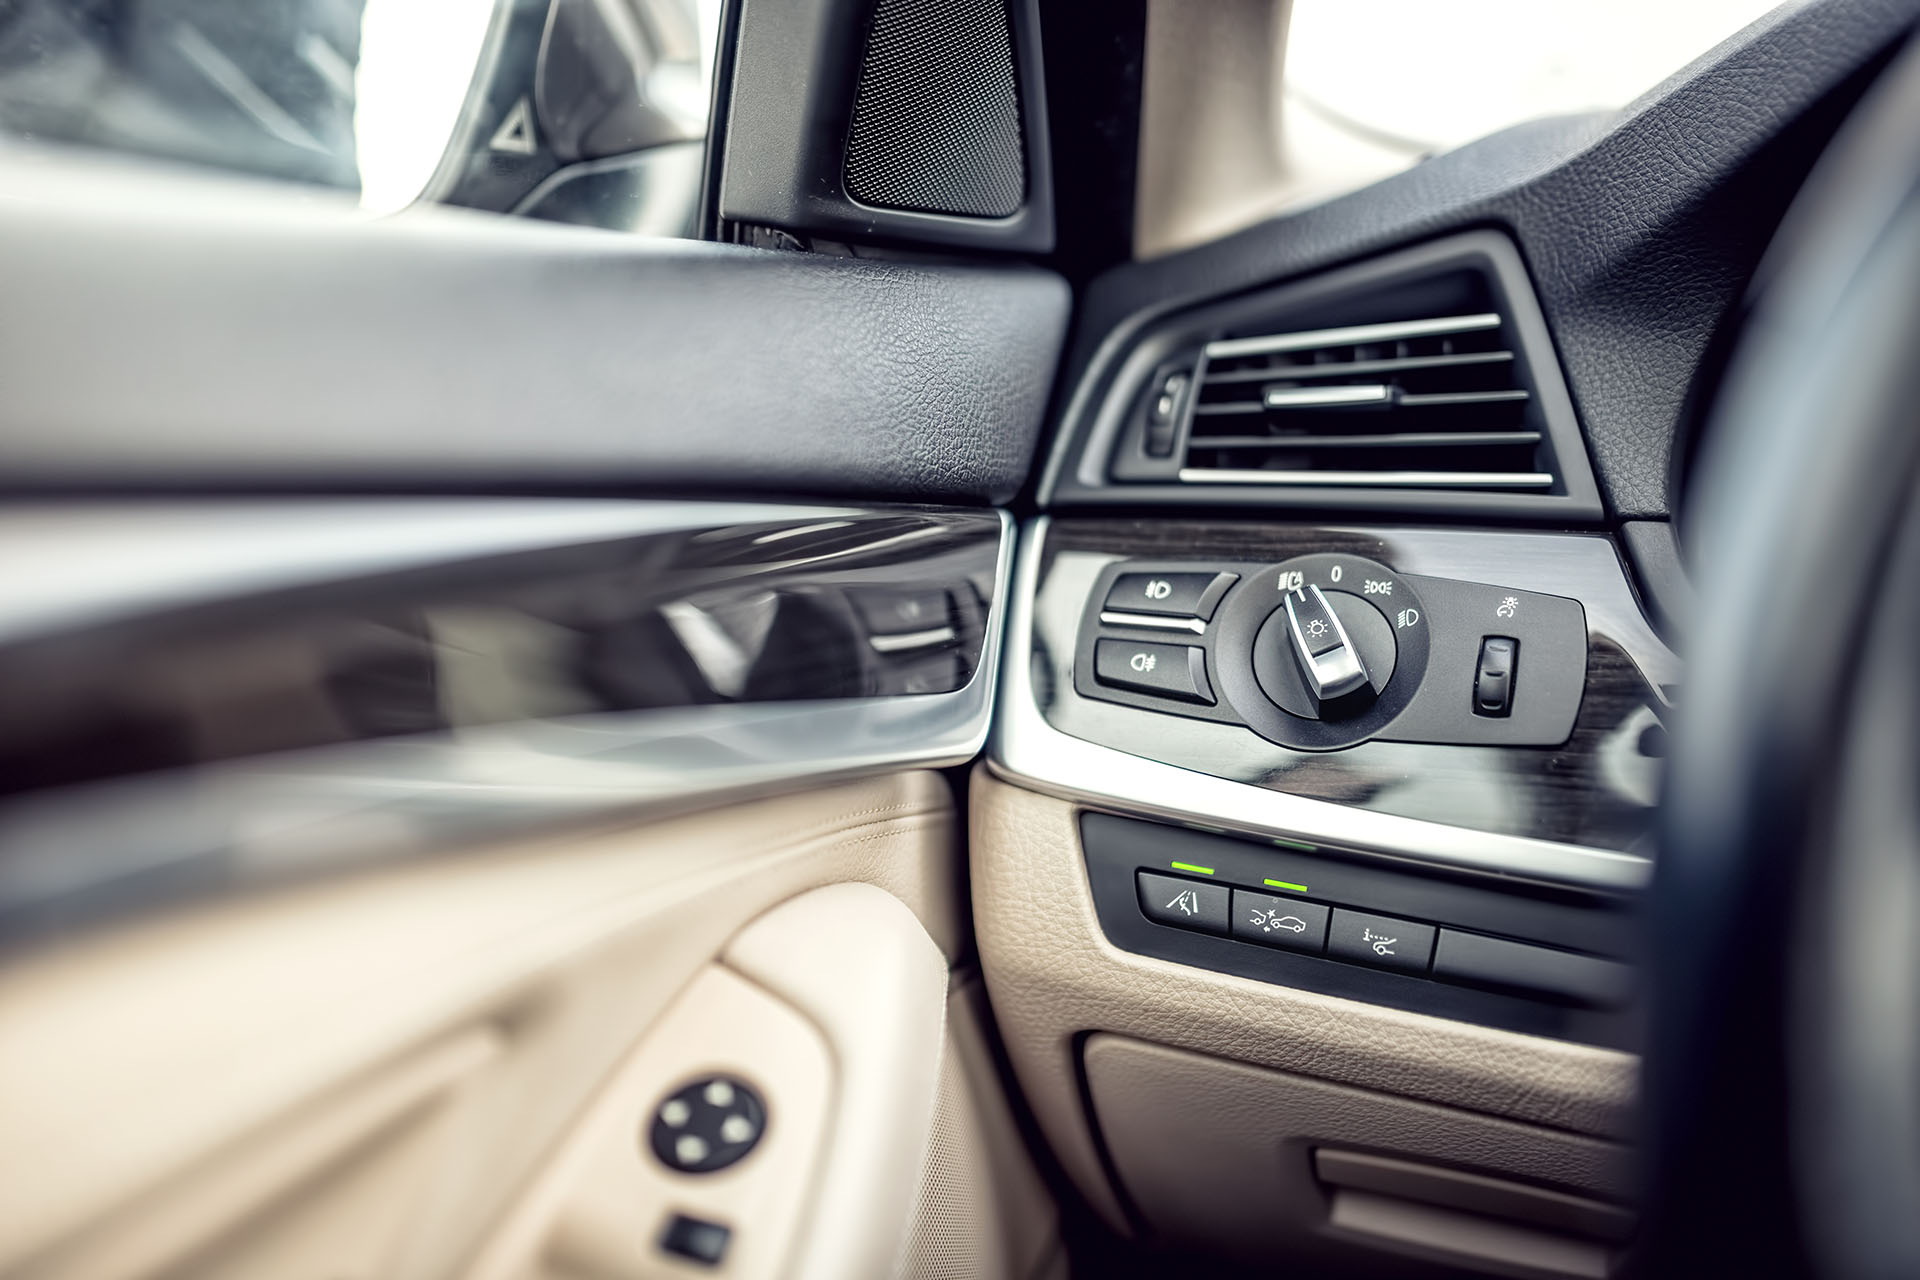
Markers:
<point>1420,381</point>
<point>1430,403</point>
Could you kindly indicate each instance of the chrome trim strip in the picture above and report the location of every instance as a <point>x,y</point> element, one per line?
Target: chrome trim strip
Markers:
<point>74,853</point>
<point>1372,479</point>
<point>908,641</point>
<point>1115,618</point>
<point>1028,750</point>
<point>1316,397</point>
<point>1231,347</point>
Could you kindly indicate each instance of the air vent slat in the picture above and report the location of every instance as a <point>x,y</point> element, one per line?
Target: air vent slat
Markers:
<point>1435,402</point>
<point>1353,335</point>
<point>1342,369</point>
<point>1463,397</point>
<point>1400,479</point>
<point>1398,440</point>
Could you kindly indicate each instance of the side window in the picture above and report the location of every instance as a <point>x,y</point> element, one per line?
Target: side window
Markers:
<point>588,111</point>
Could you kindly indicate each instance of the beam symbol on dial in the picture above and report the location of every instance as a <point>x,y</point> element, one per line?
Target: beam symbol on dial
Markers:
<point>1327,657</point>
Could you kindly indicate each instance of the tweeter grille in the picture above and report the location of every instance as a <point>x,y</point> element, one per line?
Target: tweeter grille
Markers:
<point>936,116</point>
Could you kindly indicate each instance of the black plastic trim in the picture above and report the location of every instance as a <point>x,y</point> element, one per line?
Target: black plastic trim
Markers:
<point>172,330</point>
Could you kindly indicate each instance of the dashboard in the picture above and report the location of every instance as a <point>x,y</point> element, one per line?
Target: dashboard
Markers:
<point>1280,638</point>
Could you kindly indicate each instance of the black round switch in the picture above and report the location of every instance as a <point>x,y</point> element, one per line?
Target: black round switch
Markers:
<point>707,1125</point>
<point>1320,652</point>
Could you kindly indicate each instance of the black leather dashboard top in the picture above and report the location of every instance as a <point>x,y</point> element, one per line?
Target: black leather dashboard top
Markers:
<point>179,331</point>
<point>1640,228</point>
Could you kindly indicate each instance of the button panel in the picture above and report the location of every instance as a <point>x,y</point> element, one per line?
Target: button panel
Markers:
<point>1329,650</point>
<point>1381,942</point>
<point>1477,924</point>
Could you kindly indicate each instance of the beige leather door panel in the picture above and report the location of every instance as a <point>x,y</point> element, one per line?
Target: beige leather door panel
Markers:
<point>437,1068</point>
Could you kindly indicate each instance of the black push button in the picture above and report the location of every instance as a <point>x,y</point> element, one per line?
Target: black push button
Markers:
<point>707,1125</point>
<point>1493,683</point>
<point>1185,903</point>
<point>1279,922</point>
<point>1174,595</point>
<point>890,611</point>
<point>1169,670</point>
<point>1540,971</point>
<point>695,1240</point>
<point>1380,941</point>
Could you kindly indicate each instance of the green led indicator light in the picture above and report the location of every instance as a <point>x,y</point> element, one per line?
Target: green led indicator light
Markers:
<point>1301,845</point>
<point>1282,884</point>
<point>1188,866</point>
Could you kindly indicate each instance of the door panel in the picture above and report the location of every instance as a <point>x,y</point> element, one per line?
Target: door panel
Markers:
<point>208,695</point>
<point>384,1062</point>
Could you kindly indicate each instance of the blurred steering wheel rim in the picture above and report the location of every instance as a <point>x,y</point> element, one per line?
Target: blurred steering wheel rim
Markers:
<point>1783,1064</point>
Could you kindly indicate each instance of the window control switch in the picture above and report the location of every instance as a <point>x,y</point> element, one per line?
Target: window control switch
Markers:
<point>695,1239</point>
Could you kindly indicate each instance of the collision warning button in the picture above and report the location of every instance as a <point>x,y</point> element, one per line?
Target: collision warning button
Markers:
<point>1167,670</point>
<point>1279,922</point>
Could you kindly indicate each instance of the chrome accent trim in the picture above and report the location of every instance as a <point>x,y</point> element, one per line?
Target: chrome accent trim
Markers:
<point>1373,479</point>
<point>80,563</point>
<point>75,853</point>
<point>1228,348</point>
<point>1027,750</point>
<point>1319,397</point>
<point>908,641</point>
<point>1115,618</point>
<point>1501,396</point>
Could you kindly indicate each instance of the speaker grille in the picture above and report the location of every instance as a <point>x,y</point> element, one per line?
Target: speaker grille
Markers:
<point>936,119</point>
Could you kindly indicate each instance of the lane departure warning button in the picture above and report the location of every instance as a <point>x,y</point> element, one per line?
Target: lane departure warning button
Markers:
<point>1186,904</point>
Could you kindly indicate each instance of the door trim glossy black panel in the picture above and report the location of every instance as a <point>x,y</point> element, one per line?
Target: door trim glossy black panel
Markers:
<point>632,674</point>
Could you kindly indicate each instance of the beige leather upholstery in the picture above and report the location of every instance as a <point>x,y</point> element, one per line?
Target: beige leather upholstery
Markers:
<point>360,1077</point>
<point>1053,977</point>
<point>1218,1155</point>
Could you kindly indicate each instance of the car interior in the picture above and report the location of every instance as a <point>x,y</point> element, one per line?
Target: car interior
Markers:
<point>959,639</point>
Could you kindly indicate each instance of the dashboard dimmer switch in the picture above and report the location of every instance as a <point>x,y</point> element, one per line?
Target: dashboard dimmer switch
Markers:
<point>1493,683</point>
